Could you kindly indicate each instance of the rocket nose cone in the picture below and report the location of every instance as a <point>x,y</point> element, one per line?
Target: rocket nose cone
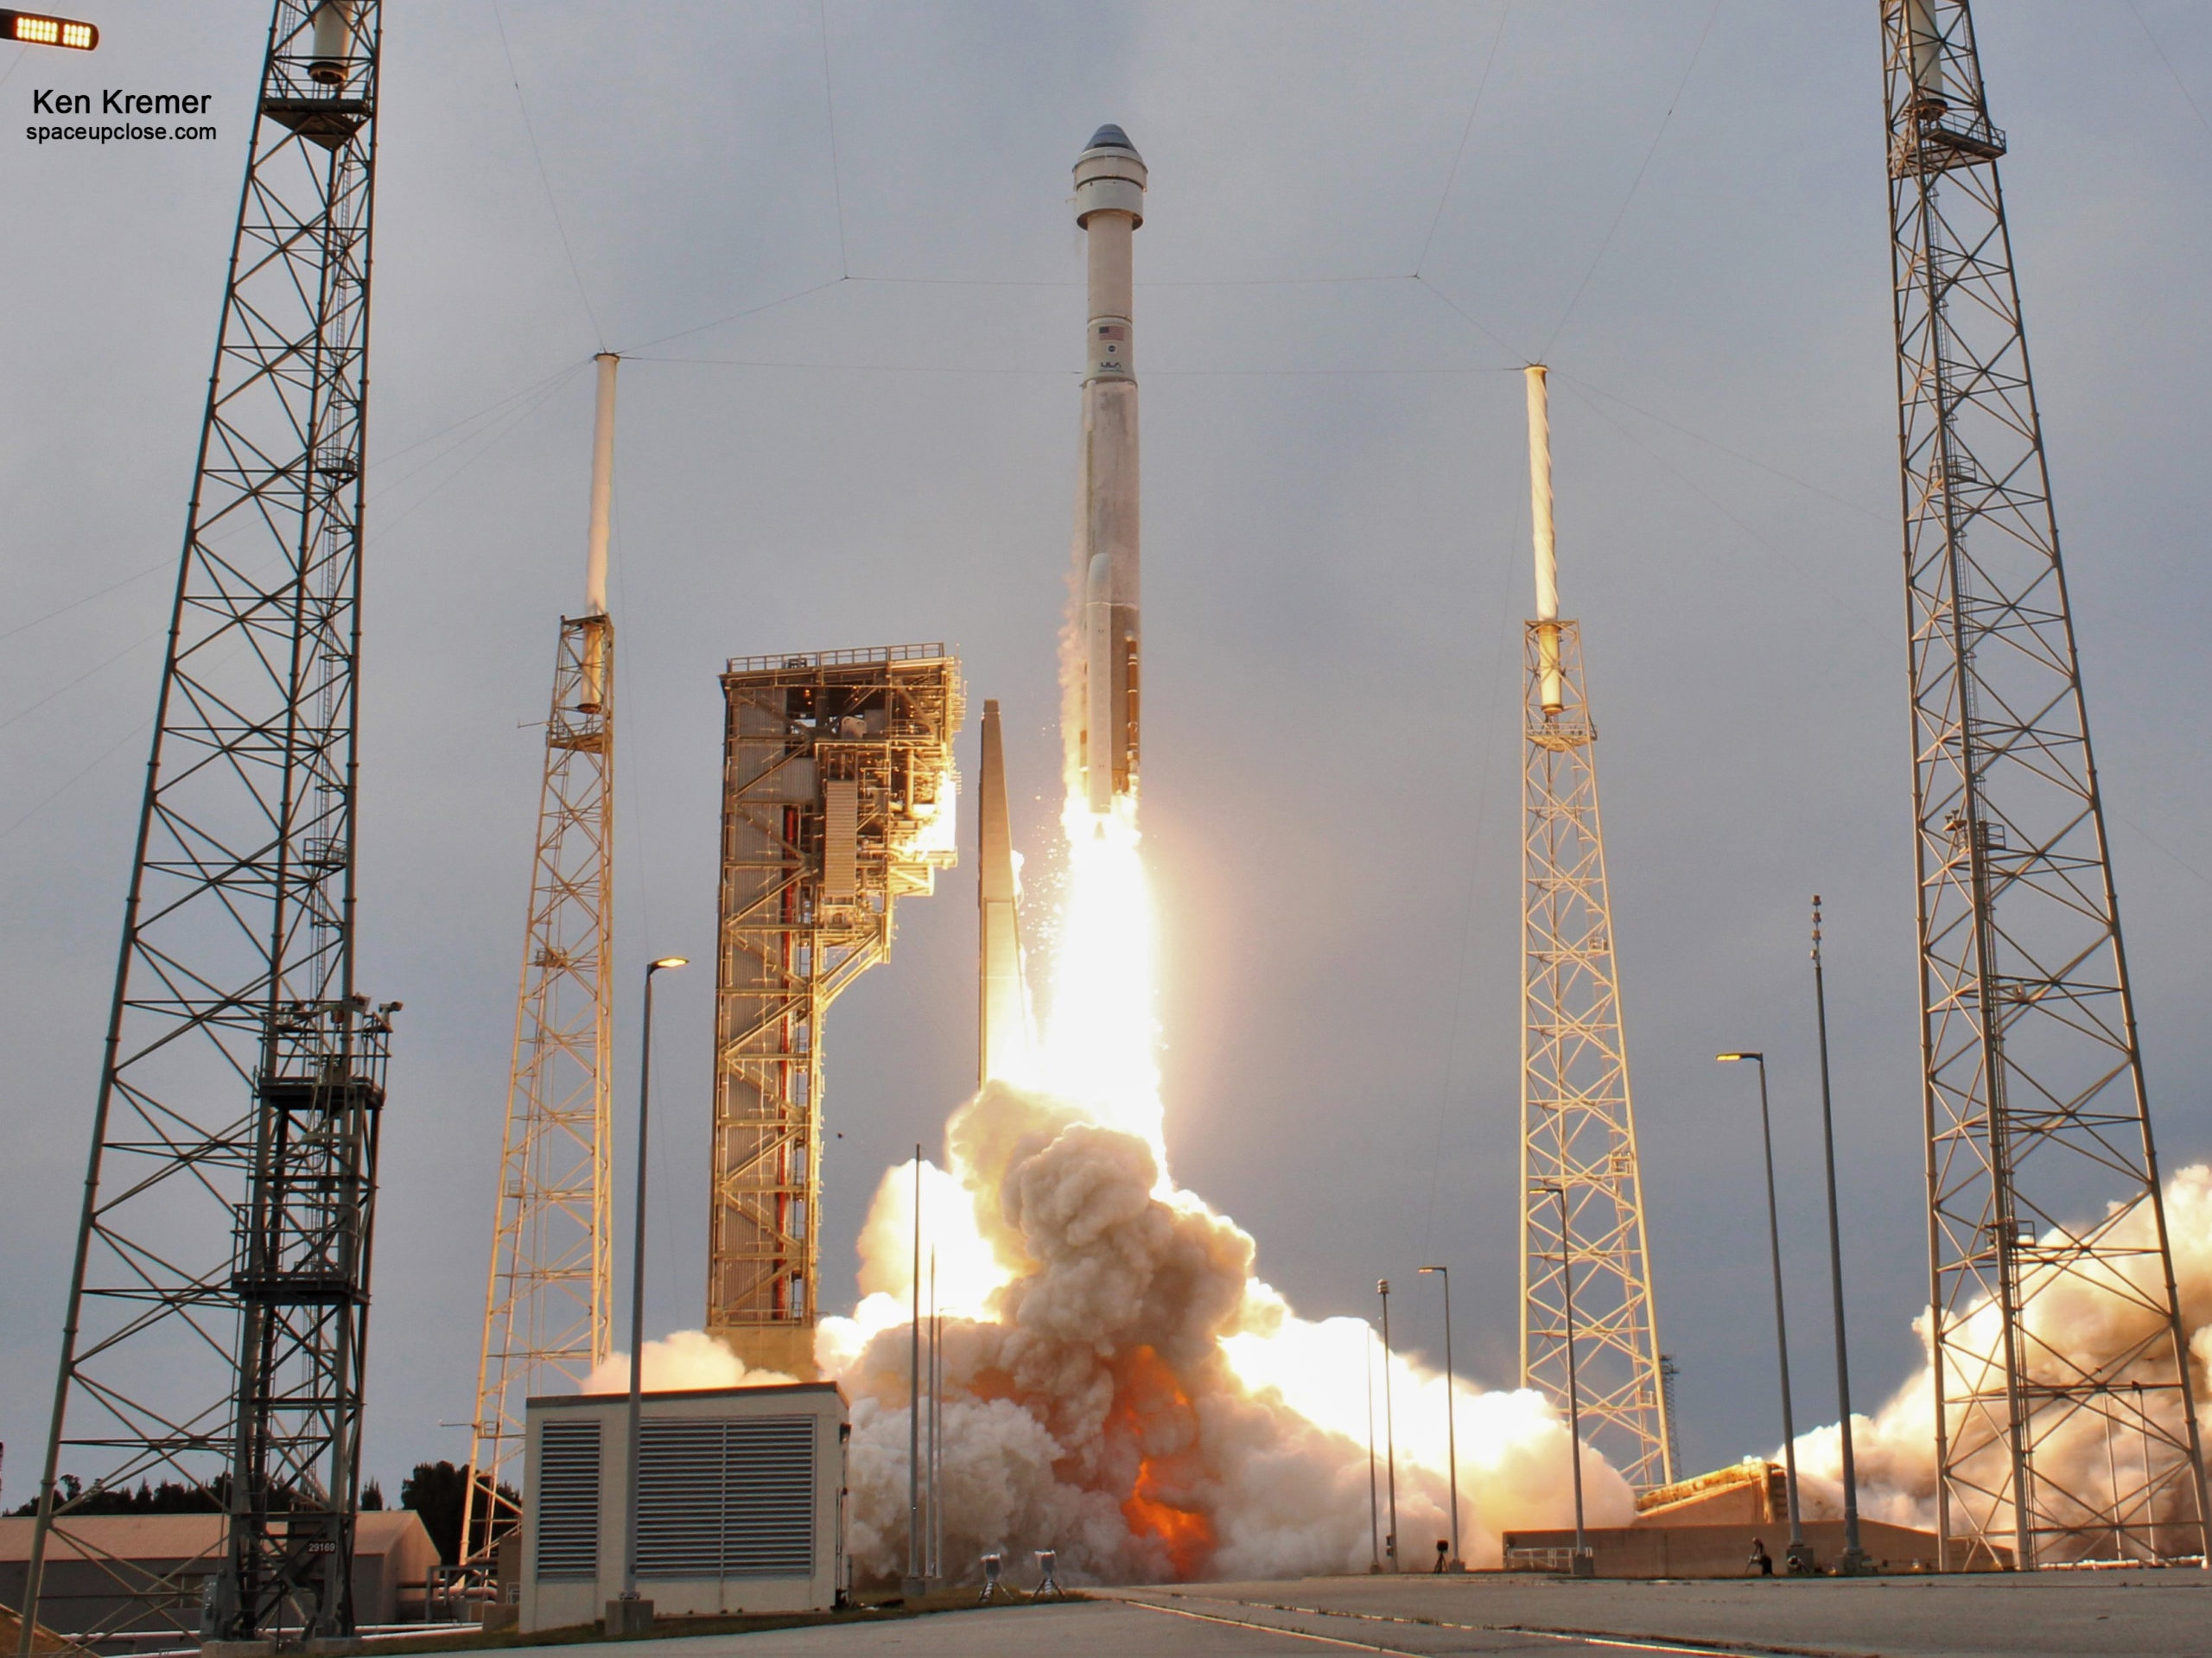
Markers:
<point>1110,136</point>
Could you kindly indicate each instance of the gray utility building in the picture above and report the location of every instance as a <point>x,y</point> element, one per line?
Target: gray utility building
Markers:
<point>741,1499</point>
<point>90,1558</point>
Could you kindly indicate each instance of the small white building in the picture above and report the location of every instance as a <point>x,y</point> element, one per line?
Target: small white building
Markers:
<point>741,1499</point>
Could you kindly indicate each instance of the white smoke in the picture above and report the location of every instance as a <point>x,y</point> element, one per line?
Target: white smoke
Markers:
<point>2090,1320</point>
<point>687,1359</point>
<point>1119,1387</point>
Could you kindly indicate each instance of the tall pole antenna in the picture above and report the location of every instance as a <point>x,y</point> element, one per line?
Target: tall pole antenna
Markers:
<point>218,1310</point>
<point>2043,1180</point>
<point>1577,1132</point>
<point>548,1292</point>
<point>1853,1559</point>
<point>1389,1432</point>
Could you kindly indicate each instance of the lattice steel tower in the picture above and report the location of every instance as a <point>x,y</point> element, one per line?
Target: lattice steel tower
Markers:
<point>218,1302</point>
<point>549,1296</point>
<point>838,800</point>
<point>2043,1182</point>
<point>1578,1134</point>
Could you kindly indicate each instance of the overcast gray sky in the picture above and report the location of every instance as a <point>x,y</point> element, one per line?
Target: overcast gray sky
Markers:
<point>1336,566</point>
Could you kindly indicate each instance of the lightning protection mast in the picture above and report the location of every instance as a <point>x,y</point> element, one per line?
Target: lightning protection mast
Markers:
<point>1578,1134</point>
<point>2052,1445</point>
<point>219,1300</point>
<point>548,1299</point>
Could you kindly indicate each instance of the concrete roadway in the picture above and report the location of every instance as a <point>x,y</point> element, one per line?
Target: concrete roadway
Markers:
<point>2108,1615</point>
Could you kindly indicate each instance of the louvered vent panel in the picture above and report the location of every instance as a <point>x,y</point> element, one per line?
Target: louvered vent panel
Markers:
<point>680,1498</point>
<point>568,1500</point>
<point>726,1498</point>
<point>768,1528</point>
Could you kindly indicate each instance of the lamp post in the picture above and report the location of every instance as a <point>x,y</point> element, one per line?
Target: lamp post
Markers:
<point>1389,1429</point>
<point>629,1615</point>
<point>1583,1566</point>
<point>1799,1556</point>
<point>1450,1419</point>
<point>916,1584</point>
<point>1854,1560</point>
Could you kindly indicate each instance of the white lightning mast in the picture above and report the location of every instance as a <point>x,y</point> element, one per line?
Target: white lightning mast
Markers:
<point>547,1301</point>
<point>1578,1135</point>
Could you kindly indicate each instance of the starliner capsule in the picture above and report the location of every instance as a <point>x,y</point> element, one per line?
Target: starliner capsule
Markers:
<point>1110,181</point>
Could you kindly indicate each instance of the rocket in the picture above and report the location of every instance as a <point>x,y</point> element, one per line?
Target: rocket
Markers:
<point>1110,181</point>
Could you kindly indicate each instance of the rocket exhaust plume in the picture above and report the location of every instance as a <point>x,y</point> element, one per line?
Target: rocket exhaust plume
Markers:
<point>1118,1384</point>
<point>2086,1456</point>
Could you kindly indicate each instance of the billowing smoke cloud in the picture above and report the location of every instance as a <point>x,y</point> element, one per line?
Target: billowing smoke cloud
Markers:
<point>1119,1387</point>
<point>689,1359</point>
<point>2093,1322</point>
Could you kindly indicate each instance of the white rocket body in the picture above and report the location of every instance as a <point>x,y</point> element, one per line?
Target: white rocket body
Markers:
<point>1110,182</point>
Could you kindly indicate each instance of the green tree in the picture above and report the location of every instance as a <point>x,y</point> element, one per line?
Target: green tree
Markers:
<point>436,1491</point>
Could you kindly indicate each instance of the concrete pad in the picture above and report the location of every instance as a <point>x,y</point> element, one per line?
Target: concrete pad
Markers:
<point>1147,1626</point>
<point>1076,1628</point>
<point>2099,1615</point>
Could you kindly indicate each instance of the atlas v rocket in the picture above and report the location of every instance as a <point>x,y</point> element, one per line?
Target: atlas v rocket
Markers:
<point>1109,180</point>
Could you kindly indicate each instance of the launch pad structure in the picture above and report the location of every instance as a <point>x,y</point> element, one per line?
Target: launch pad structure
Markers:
<point>548,1297</point>
<point>838,791</point>
<point>219,1304</point>
<point>2037,1111</point>
<point>1577,1132</point>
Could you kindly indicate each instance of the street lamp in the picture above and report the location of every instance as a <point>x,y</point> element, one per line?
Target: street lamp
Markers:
<point>1583,1566</point>
<point>1799,1556</point>
<point>1450,1419</point>
<point>629,1615</point>
<point>1854,1560</point>
<point>1389,1429</point>
<point>36,28</point>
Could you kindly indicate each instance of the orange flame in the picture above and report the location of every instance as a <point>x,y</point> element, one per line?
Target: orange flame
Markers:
<point>1151,1409</point>
<point>1186,1533</point>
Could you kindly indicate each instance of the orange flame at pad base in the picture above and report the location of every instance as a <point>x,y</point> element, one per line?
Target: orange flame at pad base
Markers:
<point>1152,1411</point>
<point>1127,1392</point>
<point>1120,1388</point>
<point>1187,1536</point>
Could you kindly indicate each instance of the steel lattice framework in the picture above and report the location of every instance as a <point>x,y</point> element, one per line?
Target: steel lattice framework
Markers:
<point>548,1299</point>
<point>217,1306</point>
<point>1578,1133</point>
<point>838,800</point>
<point>2055,1443</point>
